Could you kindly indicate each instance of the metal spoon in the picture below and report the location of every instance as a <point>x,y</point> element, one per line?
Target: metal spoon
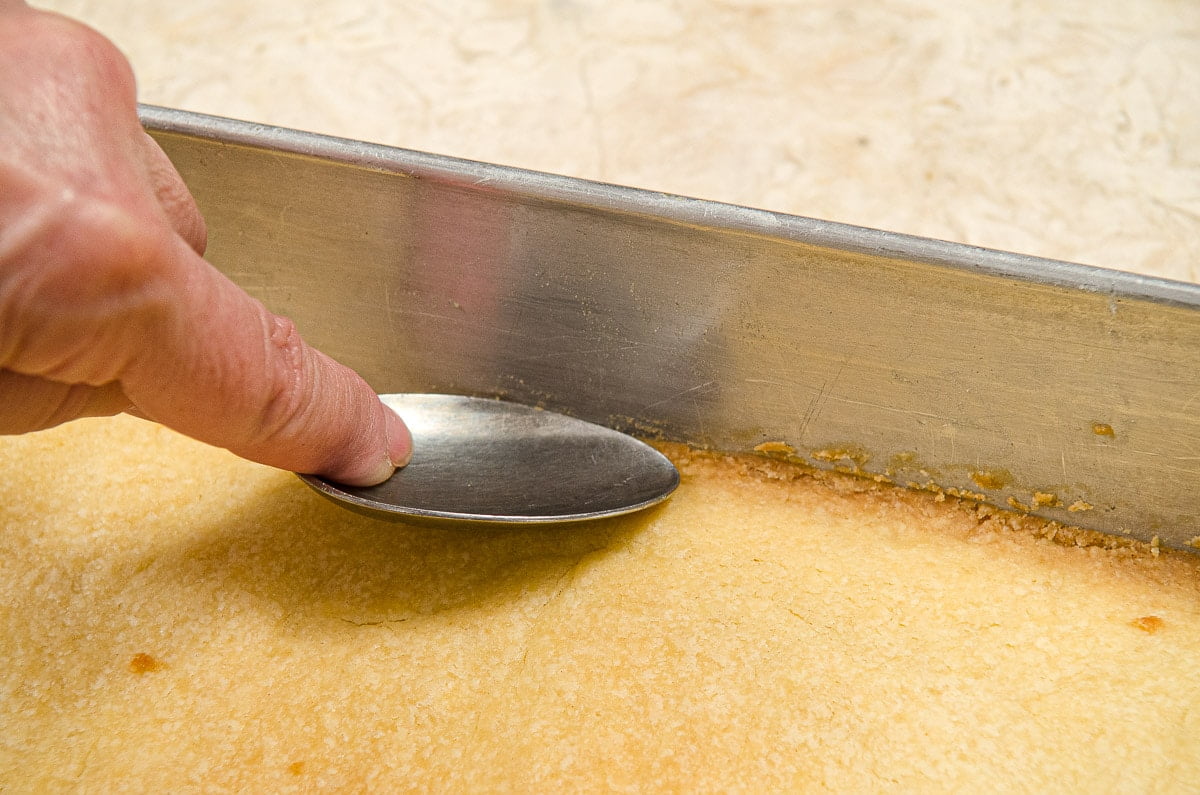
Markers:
<point>489,462</point>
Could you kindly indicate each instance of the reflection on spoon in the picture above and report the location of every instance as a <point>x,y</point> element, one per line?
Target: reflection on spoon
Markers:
<point>479,461</point>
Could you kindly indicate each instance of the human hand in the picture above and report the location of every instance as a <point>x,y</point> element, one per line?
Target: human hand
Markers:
<point>105,302</point>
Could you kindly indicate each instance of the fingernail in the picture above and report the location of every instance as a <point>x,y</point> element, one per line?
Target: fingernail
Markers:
<point>399,440</point>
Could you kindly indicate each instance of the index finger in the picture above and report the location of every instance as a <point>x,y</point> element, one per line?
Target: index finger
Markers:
<point>225,370</point>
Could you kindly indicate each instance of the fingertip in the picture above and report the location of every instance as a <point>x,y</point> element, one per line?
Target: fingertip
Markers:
<point>399,439</point>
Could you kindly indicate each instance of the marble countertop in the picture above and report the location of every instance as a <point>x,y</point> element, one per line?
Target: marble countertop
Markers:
<point>1070,131</point>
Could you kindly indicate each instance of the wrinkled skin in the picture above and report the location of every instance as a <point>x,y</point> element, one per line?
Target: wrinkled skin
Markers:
<point>105,302</point>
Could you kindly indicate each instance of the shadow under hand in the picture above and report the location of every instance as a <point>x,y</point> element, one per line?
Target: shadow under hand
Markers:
<point>313,564</point>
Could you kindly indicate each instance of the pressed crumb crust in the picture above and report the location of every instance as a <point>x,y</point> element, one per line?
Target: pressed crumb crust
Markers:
<point>175,618</point>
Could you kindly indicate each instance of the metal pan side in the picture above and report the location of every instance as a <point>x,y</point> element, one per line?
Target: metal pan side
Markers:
<point>1061,389</point>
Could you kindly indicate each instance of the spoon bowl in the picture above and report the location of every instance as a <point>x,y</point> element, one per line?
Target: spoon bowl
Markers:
<point>485,462</point>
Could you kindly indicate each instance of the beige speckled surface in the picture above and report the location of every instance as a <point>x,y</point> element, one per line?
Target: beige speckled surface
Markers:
<point>173,619</point>
<point>1067,130</point>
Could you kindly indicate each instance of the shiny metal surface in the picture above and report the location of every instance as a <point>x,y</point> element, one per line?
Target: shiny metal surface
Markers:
<point>479,461</point>
<point>1067,390</point>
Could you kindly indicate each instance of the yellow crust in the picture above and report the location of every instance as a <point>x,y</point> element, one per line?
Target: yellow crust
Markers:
<point>174,618</point>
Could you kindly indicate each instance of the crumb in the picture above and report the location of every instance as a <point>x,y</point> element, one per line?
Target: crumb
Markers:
<point>1148,624</point>
<point>1080,505</point>
<point>992,478</point>
<point>143,663</point>
<point>1045,499</point>
<point>1017,505</point>
<point>1103,429</point>
<point>850,452</point>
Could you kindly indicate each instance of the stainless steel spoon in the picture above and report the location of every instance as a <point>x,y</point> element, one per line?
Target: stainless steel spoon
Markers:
<point>489,462</point>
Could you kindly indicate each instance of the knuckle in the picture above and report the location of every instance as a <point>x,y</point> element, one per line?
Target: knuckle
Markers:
<point>79,43</point>
<point>297,414</point>
<point>84,294</point>
<point>284,338</point>
<point>285,409</point>
<point>124,270</point>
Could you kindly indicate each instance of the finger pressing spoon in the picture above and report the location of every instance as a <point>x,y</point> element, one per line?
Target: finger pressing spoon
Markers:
<point>479,461</point>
